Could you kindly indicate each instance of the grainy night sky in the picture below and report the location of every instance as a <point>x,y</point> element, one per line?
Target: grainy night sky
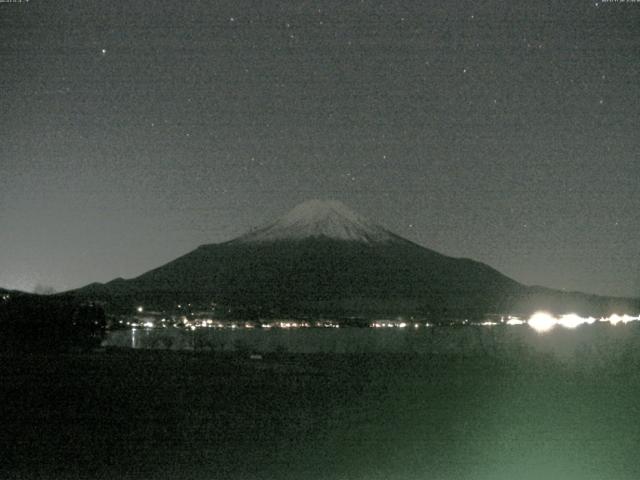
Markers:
<point>506,132</point>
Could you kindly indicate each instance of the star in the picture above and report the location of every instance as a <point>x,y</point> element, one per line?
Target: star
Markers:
<point>103,51</point>
<point>349,176</point>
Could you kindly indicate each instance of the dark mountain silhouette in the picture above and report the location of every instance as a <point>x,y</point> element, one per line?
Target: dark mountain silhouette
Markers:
<point>322,259</point>
<point>32,322</point>
<point>4,291</point>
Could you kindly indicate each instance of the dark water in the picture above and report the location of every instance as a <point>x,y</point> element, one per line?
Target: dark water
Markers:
<point>509,412</point>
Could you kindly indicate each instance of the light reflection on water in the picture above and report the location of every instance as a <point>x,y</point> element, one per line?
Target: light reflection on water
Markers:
<point>563,342</point>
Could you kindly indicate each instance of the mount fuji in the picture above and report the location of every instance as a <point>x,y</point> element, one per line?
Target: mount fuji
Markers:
<point>322,259</point>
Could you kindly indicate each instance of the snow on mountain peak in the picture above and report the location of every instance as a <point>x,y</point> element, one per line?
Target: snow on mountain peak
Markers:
<point>320,218</point>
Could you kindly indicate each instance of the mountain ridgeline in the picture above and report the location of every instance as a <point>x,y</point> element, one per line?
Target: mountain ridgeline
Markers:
<point>321,260</point>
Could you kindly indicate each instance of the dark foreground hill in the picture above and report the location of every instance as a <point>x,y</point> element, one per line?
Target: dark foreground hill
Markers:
<point>321,259</point>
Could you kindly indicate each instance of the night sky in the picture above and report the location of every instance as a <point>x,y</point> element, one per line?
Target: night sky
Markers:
<point>507,132</point>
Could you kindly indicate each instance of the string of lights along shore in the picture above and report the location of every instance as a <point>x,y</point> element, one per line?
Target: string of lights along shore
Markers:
<point>504,132</point>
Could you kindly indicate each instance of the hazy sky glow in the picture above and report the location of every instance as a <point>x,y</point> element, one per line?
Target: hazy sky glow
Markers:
<point>506,132</point>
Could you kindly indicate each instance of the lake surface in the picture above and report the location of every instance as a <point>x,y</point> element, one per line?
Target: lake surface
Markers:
<point>469,340</point>
<point>146,414</point>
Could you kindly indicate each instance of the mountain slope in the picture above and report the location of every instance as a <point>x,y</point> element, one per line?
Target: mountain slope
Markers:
<point>323,259</point>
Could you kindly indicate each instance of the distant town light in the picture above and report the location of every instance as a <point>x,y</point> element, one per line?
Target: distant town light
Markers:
<point>542,322</point>
<point>514,321</point>
<point>140,309</point>
<point>571,320</point>
<point>614,319</point>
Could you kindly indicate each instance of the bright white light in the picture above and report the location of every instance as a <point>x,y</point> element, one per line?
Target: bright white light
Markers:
<point>488,323</point>
<point>542,322</point>
<point>614,319</point>
<point>514,321</point>
<point>402,325</point>
<point>571,320</point>
<point>148,324</point>
<point>140,309</point>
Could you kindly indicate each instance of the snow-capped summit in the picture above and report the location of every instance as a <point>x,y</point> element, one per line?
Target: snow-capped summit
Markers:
<point>320,218</point>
